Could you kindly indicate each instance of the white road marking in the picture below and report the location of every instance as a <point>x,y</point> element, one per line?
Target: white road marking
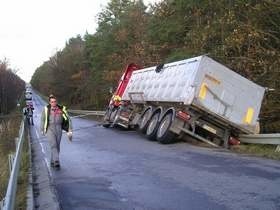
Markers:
<point>38,137</point>
<point>44,152</point>
<point>82,115</point>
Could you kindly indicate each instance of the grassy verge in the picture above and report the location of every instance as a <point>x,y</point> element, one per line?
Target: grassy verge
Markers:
<point>267,151</point>
<point>9,131</point>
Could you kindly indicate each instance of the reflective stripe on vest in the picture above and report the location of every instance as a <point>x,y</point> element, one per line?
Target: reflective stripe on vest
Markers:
<point>46,119</point>
<point>64,113</point>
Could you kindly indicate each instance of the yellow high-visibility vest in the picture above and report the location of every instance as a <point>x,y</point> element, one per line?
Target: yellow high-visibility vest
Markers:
<point>64,115</point>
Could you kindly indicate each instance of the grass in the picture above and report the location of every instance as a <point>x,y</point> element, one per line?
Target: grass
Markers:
<point>10,130</point>
<point>23,177</point>
<point>7,145</point>
<point>266,151</point>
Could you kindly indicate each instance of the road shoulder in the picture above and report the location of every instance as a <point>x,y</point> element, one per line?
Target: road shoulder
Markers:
<point>45,195</point>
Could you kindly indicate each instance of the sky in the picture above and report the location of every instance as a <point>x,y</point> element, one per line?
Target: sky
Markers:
<point>31,31</point>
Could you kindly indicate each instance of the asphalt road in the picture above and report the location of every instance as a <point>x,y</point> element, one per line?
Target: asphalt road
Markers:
<point>115,169</point>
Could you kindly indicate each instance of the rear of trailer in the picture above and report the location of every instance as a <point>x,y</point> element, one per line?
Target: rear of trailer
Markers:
<point>200,93</point>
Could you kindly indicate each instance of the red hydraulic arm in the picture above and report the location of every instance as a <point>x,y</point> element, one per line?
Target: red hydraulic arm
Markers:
<point>123,83</point>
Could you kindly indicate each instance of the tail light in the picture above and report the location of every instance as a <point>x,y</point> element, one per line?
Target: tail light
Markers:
<point>183,115</point>
<point>233,141</point>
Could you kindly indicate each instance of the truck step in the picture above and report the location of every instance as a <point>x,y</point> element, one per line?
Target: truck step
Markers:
<point>123,125</point>
<point>123,118</point>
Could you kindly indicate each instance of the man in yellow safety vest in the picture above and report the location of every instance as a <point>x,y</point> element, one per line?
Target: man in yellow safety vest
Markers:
<point>54,119</point>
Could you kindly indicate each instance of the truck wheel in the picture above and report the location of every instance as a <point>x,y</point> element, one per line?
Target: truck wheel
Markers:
<point>152,127</point>
<point>164,135</point>
<point>144,121</point>
<point>106,123</point>
<point>113,115</point>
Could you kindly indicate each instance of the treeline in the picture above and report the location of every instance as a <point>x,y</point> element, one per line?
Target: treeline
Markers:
<point>244,35</point>
<point>11,88</point>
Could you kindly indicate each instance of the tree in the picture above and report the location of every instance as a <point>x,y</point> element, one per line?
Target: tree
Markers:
<point>11,88</point>
<point>243,35</point>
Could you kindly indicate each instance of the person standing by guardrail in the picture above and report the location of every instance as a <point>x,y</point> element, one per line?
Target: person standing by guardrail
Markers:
<point>54,119</point>
<point>28,112</point>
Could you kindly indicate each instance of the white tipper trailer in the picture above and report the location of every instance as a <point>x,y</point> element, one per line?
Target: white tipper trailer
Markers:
<point>196,97</point>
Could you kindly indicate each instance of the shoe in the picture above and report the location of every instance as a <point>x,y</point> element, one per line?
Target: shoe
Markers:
<point>56,164</point>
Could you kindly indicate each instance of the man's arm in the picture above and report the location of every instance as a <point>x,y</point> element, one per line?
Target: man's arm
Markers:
<point>43,117</point>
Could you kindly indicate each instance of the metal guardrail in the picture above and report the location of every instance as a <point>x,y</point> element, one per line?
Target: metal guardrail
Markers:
<point>87,112</point>
<point>9,201</point>
<point>272,138</point>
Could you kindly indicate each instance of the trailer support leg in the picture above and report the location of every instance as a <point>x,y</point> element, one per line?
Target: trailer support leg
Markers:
<point>226,138</point>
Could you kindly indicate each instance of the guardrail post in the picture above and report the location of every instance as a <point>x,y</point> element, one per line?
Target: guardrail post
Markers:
<point>16,141</point>
<point>277,148</point>
<point>11,161</point>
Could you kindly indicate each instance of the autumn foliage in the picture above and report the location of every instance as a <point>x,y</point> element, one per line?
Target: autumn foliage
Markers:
<point>243,35</point>
<point>11,88</point>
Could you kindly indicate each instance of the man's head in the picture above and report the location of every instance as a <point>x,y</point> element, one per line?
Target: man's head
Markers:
<point>52,100</point>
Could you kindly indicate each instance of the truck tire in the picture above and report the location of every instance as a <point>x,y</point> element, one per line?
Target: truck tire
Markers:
<point>106,123</point>
<point>152,126</point>
<point>164,135</point>
<point>144,120</point>
<point>113,115</point>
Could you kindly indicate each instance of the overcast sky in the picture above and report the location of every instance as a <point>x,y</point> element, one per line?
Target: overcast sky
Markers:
<point>33,30</point>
